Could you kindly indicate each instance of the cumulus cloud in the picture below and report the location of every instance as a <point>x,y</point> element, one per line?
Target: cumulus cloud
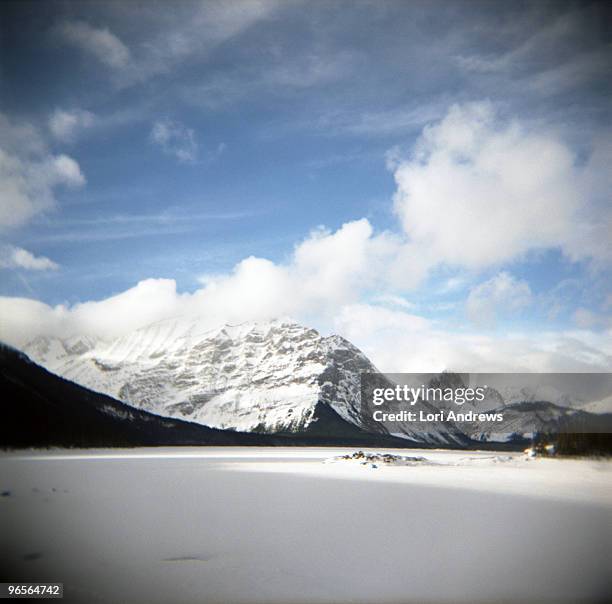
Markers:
<point>175,139</point>
<point>307,286</point>
<point>480,191</point>
<point>61,169</point>
<point>65,126</point>
<point>499,295</point>
<point>102,44</point>
<point>29,174</point>
<point>17,257</point>
<point>326,270</point>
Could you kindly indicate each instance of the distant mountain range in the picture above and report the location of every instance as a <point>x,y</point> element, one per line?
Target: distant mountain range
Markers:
<point>525,413</point>
<point>272,380</point>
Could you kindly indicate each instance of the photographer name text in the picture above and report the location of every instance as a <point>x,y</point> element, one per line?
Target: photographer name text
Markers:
<point>438,416</point>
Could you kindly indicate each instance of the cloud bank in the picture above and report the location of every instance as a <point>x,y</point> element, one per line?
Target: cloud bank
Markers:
<point>395,340</point>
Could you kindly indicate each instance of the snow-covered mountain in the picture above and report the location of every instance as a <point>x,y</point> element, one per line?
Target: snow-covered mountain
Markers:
<point>254,377</point>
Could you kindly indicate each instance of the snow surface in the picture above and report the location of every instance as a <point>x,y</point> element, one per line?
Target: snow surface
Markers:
<point>281,525</point>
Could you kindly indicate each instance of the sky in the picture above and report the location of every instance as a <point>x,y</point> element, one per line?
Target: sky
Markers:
<point>430,180</point>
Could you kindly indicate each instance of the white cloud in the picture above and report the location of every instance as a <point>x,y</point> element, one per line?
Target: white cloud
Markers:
<point>480,191</point>
<point>363,321</point>
<point>315,290</point>
<point>17,257</point>
<point>396,341</point>
<point>100,43</point>
<point>26,187</point>
<point>175,139</point>
<point>29,174</point>
<point>400,342</point>
<point>66,125</point>
<point>144,303</point>
<point>62,169</point>
<point>326,270</point>
<point>499,295</point>
<point>308,286</point>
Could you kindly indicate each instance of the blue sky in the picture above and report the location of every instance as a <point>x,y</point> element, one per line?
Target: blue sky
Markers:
<point>432,169</point>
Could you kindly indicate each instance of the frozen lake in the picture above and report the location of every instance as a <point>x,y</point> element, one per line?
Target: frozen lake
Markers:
<point>280,525</point>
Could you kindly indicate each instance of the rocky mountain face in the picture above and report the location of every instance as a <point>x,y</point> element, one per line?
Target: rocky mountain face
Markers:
<point>276,377</point>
